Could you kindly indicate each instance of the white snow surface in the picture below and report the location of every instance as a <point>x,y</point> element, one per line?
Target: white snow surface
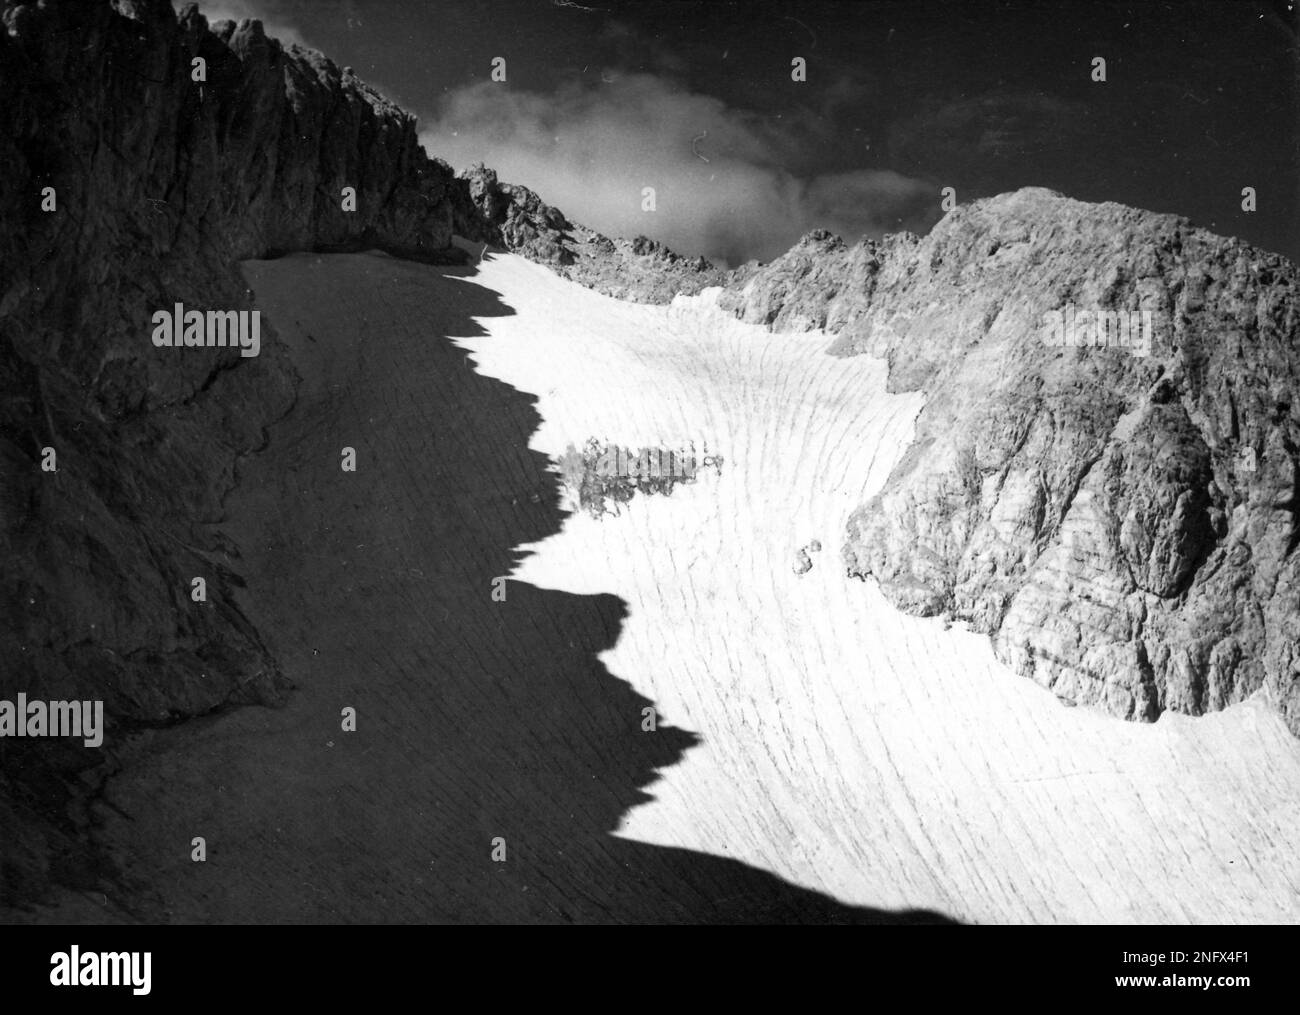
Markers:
<point>848,747</point>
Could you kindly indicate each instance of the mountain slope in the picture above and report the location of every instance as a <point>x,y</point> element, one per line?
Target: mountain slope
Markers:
<point>1139,568</point>
<point>158,185</point>
<point>1123,525</point>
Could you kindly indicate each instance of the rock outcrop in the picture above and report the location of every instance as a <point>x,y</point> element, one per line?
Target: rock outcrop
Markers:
<point>513,217</point>
<point>1121,520</point>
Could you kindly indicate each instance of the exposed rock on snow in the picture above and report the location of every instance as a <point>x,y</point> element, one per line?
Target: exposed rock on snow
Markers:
<point>598,477</point>
<point>803,559</point>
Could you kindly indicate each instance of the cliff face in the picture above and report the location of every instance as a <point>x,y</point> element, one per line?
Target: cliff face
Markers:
<point>1122,521</point>
<point>161,184</point>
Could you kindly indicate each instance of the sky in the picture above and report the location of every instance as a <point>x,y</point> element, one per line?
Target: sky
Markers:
<point>603,98</point>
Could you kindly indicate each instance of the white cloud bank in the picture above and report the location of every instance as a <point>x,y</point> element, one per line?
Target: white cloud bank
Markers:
<point>720,186</point>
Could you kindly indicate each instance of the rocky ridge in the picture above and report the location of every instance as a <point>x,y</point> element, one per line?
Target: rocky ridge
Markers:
<point>1122,525</point>
<point>514,218</point>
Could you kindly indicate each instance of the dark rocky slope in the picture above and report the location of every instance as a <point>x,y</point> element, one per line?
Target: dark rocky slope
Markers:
<point>1123,526</point>
<point>162,185</point>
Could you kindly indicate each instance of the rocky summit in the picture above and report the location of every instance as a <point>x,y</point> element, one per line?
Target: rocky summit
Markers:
<point>1121,521</point>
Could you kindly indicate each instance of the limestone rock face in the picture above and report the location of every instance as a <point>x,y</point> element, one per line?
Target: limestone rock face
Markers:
<point>1120,520</point>
<point>160,185</point>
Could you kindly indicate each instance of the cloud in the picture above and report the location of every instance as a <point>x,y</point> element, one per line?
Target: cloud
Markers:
<point>720,175</point>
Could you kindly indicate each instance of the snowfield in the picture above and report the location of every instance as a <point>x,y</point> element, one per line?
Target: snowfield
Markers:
<point>846,747</point>
<point>818,756</point>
